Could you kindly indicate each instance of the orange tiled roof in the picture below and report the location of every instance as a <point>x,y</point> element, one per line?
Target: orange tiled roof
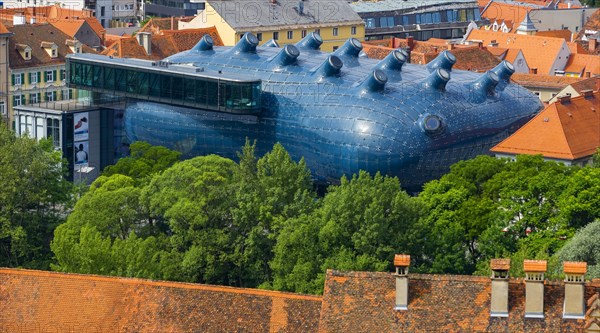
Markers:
<point>535,265</point>
<point>592,83</point>
<point>498,51</point>
<point>567,131</point>
<point>43,13</point>
<point>505,11</point>
<point>549,81</point>
<point>570,267</point>
<point>512,54</point>
<point>500,264</point>
<point>188,38</point>
<point>577,47</point>
<point>3,29</point>
<point>364,302</point>
<point>70,27</point>
<point>375,51</point>
<point>564,34</point>
<point>155,25</point>
<point>77,303</point>
<point>579,63</point>
<point>540,52</point>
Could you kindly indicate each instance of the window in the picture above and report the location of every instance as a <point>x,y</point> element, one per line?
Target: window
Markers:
<point>17,100</point>
<point>353,30</point>
<point>67,94</point>
<point>34,98</point>
<point>290,35</point>
<point>53,131</point>
<point>102,11</point>
<point>53,53</point>
<point>276,35</point>
<point>370,23</point>
<point>50,96</point>
<point>2,108</point>
<point>39,128</point>
<point>336,47</point>
<point>50,76</point>
<point>27,55</point>
<point>33,77</point>
<point>18,79</point>
<point>259,36</point>
<point>387,21</point>
<point>335,31</point>
<point>303,33</point>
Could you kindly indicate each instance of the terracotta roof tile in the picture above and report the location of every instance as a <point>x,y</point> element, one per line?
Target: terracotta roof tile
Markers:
<point>77,303</point>
<point>583,63</point>
<point>577,47</point>
<point>156,25</point>
<point>505,11</point>
<point>69,27</point>
<point>535,265</point>
<point>564,34</point>
<point>543,81</point>
<point>500,264</point>
<point>570,267</point>
<point>540,52</point>
<point>364,302</point>
<point>564,131</point>
<point>3,29</point>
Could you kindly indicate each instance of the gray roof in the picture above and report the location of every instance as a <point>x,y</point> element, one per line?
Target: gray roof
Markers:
<point>527,24</point>
<point>259,15</point>
<point>393,5</point>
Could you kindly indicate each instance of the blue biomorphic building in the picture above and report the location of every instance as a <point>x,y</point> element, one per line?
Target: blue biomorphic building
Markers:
<point>342,112</point>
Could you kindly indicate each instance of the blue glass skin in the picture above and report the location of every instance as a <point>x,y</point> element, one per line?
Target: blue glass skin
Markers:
<point>336,123</point>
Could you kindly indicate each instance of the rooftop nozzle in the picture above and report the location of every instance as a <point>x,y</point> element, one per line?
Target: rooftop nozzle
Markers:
<point>351,48</point>
<point>504,70</point>
<point>205,44</point>
<point>330,67</point>
<point>437,80</point>
<point>312,41</point>
<point>247,44</point>
<point>288,55</point>
<point>444,60</point>
<point>393,61</point>
<point>374,82</point>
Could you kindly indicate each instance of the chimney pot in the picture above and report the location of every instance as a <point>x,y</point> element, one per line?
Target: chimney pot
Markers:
<point>401,261</point>
<point>565,99</point>
<point>534,287</point>
<point>499,302</point>
<point>533,71</point>
<point>411,42</point>
<point>574,305</point>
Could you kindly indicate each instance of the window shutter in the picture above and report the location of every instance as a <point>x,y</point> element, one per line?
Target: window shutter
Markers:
<point>14,100</point>
<point>39,78</point>
<point>45,76</point>
<point>23,78</point>
<point>54,75</point>
<point>13,79</point>
<point>61,75</point>
<point>29,77</point>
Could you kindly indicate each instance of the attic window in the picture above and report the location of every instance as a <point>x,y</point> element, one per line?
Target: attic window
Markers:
<point>53,53</point>
<point>27,55</point>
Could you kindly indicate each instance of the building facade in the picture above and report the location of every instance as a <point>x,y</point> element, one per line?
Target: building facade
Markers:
<point>420,19</point>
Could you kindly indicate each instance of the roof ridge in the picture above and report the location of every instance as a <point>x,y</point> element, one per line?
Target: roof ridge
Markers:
<point>169,284</point>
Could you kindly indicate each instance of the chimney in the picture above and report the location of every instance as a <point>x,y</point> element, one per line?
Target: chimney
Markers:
<point>401,261</point>
<point>587,93</point>
<point>592,44</point>
<point>533,71</point>
<point>494,43</point>
<point>410,40</point>
<point>534,288</point>
<point>588,74</point>
<point>144,39</point>
<point>19,19</point>
<point>499,304</point>
<point>574,306</point>
<point>565,99</point>
<point>480,45</point>
<point>451,46</point>
<point>172,22</point>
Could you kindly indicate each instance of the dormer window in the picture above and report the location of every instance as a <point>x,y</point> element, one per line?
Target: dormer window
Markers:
<point>74,45</point>
<point>51,49</point>
<point>24,50</point>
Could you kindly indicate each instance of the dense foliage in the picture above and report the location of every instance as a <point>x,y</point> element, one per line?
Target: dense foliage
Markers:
<point>259,222</point>
<point>33,199</point>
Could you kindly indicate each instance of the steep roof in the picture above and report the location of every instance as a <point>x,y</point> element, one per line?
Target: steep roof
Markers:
<point>564,34</point>
<point>3,30</point>
<point>162,46</point>
<point>76,302</point>
<point>474,59</point>
<point>583,62</point>
<point>539,51</point>
<point>364,302</point>
<point>264,14</point>
<point>34,35</point>
<point>70,27</point>
<point>567,131</point>
<point>156,24</point>
<point>543,81</point>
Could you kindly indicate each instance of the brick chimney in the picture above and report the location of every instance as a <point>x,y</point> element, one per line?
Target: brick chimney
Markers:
<point>401,262</point>
<point>534,288</point>
<point>574,306</point>
<point>592,44</point>
<point>565,99</point>
<point>410,41</point>
<point>499,304</point>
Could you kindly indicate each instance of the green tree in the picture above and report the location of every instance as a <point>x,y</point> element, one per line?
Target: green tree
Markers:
<point>33,200</point>
<point>144,161</point>
<point>584,246</point>
<point>360,225</point>
<point>579,202</point>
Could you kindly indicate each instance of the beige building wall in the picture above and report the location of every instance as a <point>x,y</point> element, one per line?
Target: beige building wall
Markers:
<point>4,77</point>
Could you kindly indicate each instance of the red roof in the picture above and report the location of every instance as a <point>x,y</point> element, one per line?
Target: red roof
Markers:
<point>77,303</point>
<point>566,131</point>
<point>583,63</point>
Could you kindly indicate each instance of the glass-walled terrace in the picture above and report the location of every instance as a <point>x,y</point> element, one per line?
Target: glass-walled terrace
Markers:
<point>198,91</point>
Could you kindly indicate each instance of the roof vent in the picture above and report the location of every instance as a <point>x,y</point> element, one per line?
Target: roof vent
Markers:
<point>499,302</point>
<point>312,41</point>
<point>534,288</point>
<point>574,305</point>
<point>392,61</point>
<point>206,43</point>
<point>444,60</point>
<point>565,99</point>
<point>374,82</point>
<point>288,55</point>
<point>437,80</point>
<point>401,262</point>
<point>330,67</point>
<point>247,44</point>
<point>351,48</point>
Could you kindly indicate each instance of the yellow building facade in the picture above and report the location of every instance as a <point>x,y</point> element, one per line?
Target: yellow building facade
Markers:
<point>282,20</point>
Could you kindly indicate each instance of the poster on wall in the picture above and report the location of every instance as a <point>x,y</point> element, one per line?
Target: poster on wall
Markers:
<point>80,126</point>
<point>81,150</point>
